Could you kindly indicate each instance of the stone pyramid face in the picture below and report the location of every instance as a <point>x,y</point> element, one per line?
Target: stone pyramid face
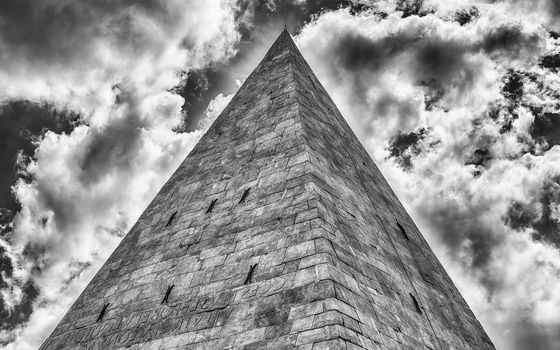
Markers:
<point>277,232</point>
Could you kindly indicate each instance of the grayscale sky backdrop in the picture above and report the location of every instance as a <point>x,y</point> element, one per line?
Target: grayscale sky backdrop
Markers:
<point>458,102</point>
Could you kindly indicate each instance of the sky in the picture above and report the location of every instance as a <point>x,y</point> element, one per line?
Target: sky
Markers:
<point>458,102</point>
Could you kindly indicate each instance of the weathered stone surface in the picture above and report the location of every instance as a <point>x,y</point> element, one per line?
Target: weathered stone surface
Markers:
<point>277,232</point>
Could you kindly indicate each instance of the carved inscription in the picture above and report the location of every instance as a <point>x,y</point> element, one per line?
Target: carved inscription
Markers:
<point>265,288</point>
<point>141,326</point>
<point>162,321</point>
<point>151,331</point>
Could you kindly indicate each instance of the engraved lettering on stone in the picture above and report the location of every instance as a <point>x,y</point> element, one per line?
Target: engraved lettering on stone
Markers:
<point>265,288</point>
<point>200,313</point>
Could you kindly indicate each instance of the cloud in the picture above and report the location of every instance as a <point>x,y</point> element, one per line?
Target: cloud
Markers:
<point>541,215</point>
<point>23,122</point>
<point>551,62</point>
<point>404,146</point>
<point>460,117</point>
<point>546,129</point>
<point>511,39</point>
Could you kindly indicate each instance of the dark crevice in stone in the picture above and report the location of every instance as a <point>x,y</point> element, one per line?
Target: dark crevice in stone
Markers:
<point>211,207</point>
<point>170,221</point>
<point>167,293</point>
<point>102,313</point>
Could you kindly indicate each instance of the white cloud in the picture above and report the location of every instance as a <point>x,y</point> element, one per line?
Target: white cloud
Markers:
<point>214,109</point>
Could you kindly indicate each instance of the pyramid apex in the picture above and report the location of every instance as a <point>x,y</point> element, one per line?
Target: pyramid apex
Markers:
<point>285,33</point>
<point>283,43</point>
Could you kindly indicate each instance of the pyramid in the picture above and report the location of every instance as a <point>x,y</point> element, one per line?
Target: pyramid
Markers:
<point>278,231</point>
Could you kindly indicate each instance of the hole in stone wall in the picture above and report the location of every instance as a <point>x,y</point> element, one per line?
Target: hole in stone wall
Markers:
<point>402,230</point>
<point>416,305</point>
<point>166,297</point>
<point>211,207</point>
<point>250,274</point>
<point>244,196</point>
<point>170,221</point>
<point>102,313</point>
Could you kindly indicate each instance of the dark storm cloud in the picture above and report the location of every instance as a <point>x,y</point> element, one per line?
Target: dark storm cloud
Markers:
<point>199,87</point>
<point>113,146</point>
<point>480,159</point>
<point>404,146</point>
<point>435,63</point>
<point>356,51</point>
<point>60,32</point>
<point>510,39</point>
<point>433,93</point>
<point>6,267</point>
<point>521,216</point>
<point>551,62</point>
<point>555,7</point>
<point>9,319</point>
<point>432,62</point>
<point>546,129</point>
<point>107,149</point>
<point>462,231</point>
<point>388,103</point>
<point>441,60</point>
<point>527,335</point>
<point>538,214</point>
<point>504,112</point>
<point>435,59</point>
<point>412,8</point>
<point>22,122</point>
<point>466,16</point>
<point>512,88</point>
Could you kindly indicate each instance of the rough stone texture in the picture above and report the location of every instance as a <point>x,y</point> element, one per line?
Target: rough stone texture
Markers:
<point>318,254</point>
